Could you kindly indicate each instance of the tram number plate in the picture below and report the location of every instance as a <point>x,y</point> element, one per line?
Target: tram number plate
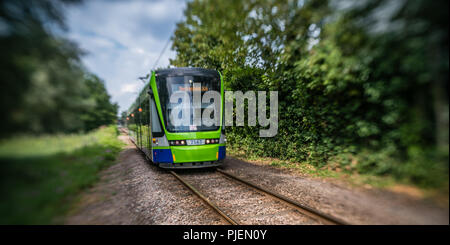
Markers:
<point>195,142</point>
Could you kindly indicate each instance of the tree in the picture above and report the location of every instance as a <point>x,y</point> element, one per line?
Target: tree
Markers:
<point>371,75</point>
<point>45,88</point>
<point>102,112</point>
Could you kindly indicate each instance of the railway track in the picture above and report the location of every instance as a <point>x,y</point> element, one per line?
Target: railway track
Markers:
<point>308,211</point>
<point>206,200</point>
<point>302,208</point>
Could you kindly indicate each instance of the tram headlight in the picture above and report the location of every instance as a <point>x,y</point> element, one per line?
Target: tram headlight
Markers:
<point>183,142</point>
<point>211,141</point>
<point>177,142</point>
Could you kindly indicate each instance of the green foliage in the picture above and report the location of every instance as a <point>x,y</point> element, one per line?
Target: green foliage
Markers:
<point>103,112</point>
<point>366,81</point>
<point>40,176</point>
<point>45,89</point>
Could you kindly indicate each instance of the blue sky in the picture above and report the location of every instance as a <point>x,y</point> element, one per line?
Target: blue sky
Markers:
<point>123,39</point>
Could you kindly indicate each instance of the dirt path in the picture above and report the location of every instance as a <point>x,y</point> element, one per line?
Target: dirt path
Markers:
<point>134,192</point>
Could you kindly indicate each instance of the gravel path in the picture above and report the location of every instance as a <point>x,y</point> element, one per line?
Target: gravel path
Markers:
<point>135,192</point>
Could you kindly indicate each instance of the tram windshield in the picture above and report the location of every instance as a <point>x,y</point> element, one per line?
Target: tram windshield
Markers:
<point>179,113</point>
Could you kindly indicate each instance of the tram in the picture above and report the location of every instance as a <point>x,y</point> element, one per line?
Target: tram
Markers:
<point>163,126</point>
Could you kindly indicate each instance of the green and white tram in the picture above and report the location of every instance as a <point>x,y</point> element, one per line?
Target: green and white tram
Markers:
<point>155,130</point>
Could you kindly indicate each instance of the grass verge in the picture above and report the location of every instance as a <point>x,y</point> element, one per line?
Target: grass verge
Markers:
<point>41,176</point>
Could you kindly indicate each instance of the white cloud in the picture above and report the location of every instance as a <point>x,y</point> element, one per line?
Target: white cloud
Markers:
<point>123,40</point>
<point>129,88</point>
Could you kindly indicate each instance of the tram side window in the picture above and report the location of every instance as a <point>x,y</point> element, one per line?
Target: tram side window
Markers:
<point>156,126</point>
<point>145,112</point>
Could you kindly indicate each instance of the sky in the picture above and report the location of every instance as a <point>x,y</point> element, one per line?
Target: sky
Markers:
<point>123,39</point>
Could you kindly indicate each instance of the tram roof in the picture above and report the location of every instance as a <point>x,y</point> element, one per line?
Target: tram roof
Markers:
<point>183,71</point>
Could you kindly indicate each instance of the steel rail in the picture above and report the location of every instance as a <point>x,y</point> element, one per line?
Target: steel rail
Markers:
<point>327,219</point>
<point>206,200</point>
